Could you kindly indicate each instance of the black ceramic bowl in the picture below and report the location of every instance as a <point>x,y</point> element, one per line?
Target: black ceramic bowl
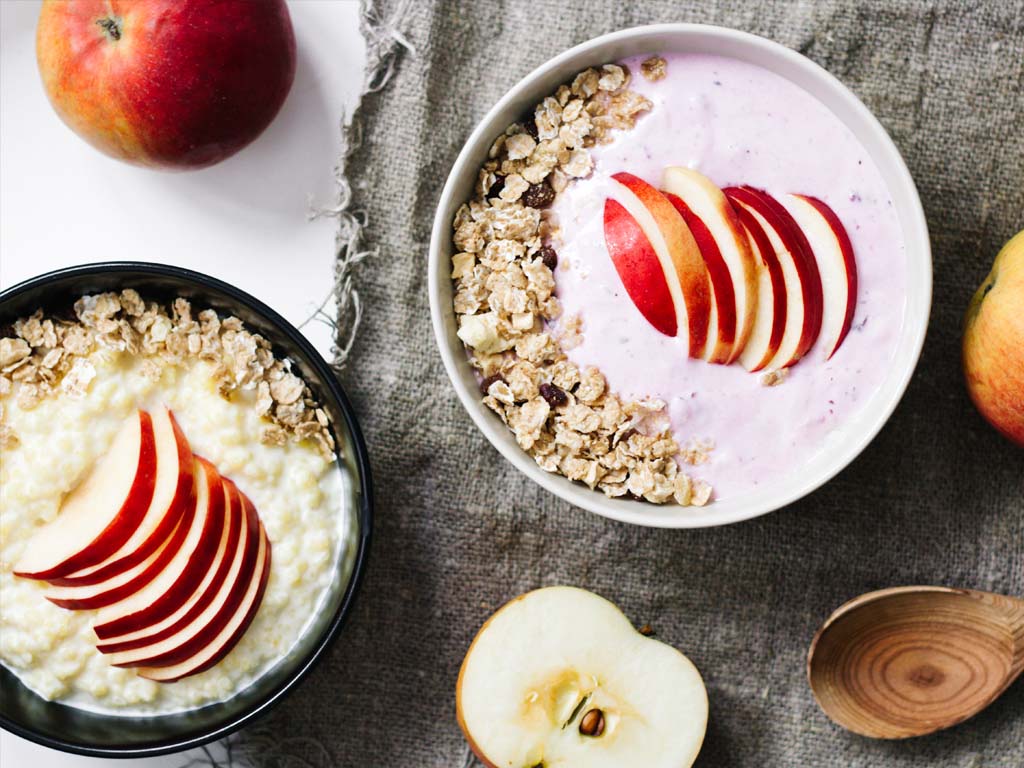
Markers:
<point>75,730</point>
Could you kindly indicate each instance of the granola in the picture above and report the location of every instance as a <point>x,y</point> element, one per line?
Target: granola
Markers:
<point>45,356</point>
<point>503,273</point>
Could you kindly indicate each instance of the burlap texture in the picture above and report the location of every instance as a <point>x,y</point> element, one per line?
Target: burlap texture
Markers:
<point>938,498</point>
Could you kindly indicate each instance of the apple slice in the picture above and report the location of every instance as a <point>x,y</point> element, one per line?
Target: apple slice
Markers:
<point>176,583</point>
<point>836,263</point>
<point>238,546</point>
<point>218,646</point>
<point>173,494</point>
<point>726,251</point>
<point>770,318</point>
<point>804,296</point>
<point>102,512</point>
<point>116,588</point>
<point>681,262</point>
<point>639,268</point>
<point>559,677</point>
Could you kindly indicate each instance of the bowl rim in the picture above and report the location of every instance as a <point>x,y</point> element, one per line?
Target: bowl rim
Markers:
<point>915,230</point>
<point>364,511</point>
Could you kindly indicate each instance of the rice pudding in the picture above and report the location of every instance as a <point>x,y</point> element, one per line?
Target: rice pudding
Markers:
<point>724,268</point>
<point>57,429</point>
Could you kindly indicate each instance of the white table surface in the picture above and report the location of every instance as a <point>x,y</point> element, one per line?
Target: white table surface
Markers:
<point>244,220</point>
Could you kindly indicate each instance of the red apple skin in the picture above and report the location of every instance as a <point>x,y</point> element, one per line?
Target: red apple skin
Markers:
<point>771,262</point>
<point>850,262</point>
<point>993,344</point>
<point>177,673</point>
<point>249,616</point>
<point>172,84</point>
<point>721,281</point>
<point>207,634</point>
<point>684,253</point>
<point>243,517</point>
<point>191,576</point>
<point>123,524</point>
<point>810,283</point>
<point>94,596</point>
<point>639,268</point>
<point>183,501</point>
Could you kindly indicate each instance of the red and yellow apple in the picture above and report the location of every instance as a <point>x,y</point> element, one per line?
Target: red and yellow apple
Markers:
<point>993,345</point>
<point>166,83</point>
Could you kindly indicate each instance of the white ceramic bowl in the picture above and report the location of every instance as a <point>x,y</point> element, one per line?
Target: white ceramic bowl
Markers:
<point>852,437</point>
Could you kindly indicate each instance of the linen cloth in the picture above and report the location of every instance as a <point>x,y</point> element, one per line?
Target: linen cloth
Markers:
<point>938,497</point>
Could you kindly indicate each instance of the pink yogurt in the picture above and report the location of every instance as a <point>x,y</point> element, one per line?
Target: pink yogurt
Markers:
<point>737,124</point>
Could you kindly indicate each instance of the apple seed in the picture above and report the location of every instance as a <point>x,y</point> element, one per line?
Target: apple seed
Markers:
<point>592,723</point>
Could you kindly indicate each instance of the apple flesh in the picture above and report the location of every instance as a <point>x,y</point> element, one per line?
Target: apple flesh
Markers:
<point>833,252</point>
<point>770,318</point>
<point>166,83</point>
<point>726,251</point>
<point>722,319</point>
<point>681,262</point>
<point>220,644</point>
<point>102,512</point>
<point>109,591</point>
<point>173,494</point>
<point>178,580</point>
<point>993,344</point>
<point>208,604</point>
<point>559,676</point>
<point>639,268</point>
<point>804,296</point>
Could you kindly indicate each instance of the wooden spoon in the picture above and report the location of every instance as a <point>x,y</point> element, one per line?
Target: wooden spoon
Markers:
<point>913,660</point>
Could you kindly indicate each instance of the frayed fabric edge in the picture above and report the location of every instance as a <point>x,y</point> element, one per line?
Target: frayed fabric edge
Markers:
<point>385,45</point>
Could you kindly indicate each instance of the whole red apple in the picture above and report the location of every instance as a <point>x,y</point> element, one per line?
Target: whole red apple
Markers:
<point>166,83</point>
<point>994,343</point>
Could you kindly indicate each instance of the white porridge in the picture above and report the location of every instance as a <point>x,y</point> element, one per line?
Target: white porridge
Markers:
<point>299,492</point>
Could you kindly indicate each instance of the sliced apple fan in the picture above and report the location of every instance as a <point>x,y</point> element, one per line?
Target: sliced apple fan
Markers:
<point>737,273</point>
<point>175,560</point>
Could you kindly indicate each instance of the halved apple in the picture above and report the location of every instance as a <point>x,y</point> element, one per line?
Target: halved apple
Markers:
<point>173,494</point>
<point>836,263</point>
<point>211,606</point>
<point>180,578</point>
<point>102,512</point>
<point>219,645</point>
<point>804,296</point>
<point>726,251</point>
<point>559,676</point>
<point>681,262</point>
<point>770,318</point>
<point>639,268</point>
